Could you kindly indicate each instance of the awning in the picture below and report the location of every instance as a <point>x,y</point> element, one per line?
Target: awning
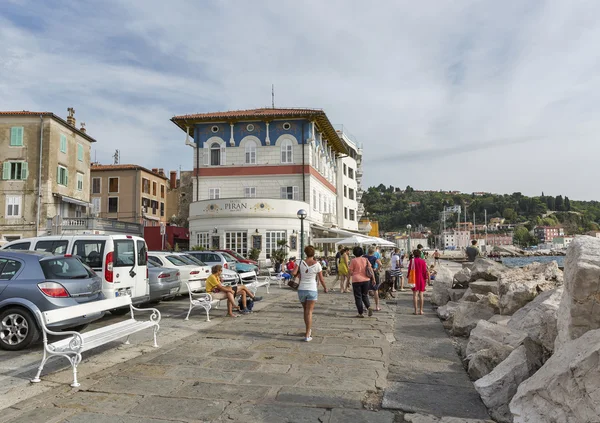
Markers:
<point>72,200</point>
<point>156,219</point>
<point>342,232</point>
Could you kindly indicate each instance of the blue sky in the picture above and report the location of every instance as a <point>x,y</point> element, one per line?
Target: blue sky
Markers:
<point>454,95</point>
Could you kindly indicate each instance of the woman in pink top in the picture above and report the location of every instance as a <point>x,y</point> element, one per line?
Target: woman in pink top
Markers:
<point>421,277</point>
<point>360,281</point>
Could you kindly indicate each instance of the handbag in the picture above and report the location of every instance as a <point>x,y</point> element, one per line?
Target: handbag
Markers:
<point>294,281</point>
<point>369,270</point>
<point>412,278</point>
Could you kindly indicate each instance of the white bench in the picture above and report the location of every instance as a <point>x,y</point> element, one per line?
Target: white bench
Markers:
<point>255,284</point>
<point>274,277</point>
<point>76,343</point>
<point>200,299</point>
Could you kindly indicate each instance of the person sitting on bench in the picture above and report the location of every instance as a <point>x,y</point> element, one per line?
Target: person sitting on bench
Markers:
<point>221,292</point>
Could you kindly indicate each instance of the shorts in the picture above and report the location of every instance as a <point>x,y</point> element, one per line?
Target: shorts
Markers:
<point>305,294</point>
<point>234,287</point>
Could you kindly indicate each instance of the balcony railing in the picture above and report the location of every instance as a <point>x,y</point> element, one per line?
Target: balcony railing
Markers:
<point>78,225</point>
<point>329,219</point>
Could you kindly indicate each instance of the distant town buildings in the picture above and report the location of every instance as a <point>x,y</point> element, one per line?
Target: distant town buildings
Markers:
<point>545,234</point>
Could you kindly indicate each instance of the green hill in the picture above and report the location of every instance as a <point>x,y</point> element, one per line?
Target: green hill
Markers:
<point>394,208</point>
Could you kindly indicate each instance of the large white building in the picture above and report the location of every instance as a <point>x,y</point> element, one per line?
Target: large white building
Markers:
<point>254,169</point>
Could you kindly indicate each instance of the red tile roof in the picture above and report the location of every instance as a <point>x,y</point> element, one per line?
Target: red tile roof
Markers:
<point>317,115</point>
<point>102,168</point>
<point>48,114</point>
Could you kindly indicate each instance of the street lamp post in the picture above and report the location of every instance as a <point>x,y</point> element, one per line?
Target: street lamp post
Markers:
<point>408,240</point>
<point>301,215</point>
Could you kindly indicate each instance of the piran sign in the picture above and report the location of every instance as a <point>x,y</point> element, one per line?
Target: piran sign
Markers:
<point>235,206</point>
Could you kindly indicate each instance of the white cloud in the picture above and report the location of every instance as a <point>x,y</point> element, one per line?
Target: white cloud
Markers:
<point>403,77</point>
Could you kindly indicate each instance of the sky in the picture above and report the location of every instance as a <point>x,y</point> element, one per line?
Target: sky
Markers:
<point>462,95</point>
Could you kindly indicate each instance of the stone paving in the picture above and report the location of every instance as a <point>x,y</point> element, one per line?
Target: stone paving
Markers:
<point>258,368</point>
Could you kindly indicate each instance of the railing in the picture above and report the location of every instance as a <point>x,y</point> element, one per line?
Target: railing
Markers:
<point>329,219</point>
<point>58,225</point>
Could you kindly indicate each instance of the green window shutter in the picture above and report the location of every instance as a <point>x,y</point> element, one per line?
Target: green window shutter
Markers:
<point>24,170</point>
<point>6,170</point>
<point>66,177</point>
<point>63,143</point>
<point>16,136</point>
<point>80,152</point>
<point>58,175</point>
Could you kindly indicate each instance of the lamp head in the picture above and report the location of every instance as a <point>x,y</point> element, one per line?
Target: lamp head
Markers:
<point>301,214</point>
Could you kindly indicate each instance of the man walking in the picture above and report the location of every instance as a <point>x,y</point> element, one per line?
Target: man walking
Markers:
<point>436,257</point>
<point>396,272</point>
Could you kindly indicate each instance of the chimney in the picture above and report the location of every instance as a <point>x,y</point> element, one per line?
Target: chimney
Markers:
<point>161,172</point>
<point>154,170</point>
<point>71,118</point>
<point>82,129</point>
<point>173,179</point>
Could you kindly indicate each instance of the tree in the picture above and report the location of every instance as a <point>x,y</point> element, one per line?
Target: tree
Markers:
<point>559,203</point>
<point>509,214</point>
<point>567,204</point>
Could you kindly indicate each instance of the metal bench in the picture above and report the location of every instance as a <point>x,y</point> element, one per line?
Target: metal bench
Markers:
<point>76,343</point>
<point>251,281</point>
<point>274,277</point>
<point>200,299</point>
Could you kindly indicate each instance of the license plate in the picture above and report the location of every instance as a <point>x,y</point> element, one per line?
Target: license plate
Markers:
<point>174,290</point>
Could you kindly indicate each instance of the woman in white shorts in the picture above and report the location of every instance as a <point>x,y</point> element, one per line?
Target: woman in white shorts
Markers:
<point>308,271</point>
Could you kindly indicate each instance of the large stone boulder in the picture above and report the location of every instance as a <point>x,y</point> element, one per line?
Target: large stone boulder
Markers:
<point>446,312</point>
<point>500,320</point>
<point>538,318</point>
<point>484,287</point>
<point>566,388</point>
<point>466,315</point>
<point>470,296</point>
<point>489,345</point>
<point>498,387</point>
<point>456,294</point>
<point>486,269</point>
<point>442,285</point>
<point>579,308</point>
<point>519,286</point>
<point>462,277</point>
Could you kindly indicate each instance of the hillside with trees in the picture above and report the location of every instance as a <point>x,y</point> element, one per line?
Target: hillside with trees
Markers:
<point>394,208</point>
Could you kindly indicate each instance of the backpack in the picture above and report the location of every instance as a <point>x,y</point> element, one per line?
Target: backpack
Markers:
<point>249,304</point>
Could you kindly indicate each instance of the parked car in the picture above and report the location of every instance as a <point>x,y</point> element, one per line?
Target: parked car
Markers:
<point>228,277</point>
<point>240,258</point>
<point>119,260</point>
<point>164,282</point>
<point>215,257</point>
<point>188,272</point>
<point>33,281</point>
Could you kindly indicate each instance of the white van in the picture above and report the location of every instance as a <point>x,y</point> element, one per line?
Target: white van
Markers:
<point>120,260</point>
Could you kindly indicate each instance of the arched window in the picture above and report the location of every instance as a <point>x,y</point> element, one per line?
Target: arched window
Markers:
<point>286,152</point>
<point>250,152</point>
<point>215,154</point>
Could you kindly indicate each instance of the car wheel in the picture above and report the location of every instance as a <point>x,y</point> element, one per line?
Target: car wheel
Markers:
<point>18,329</point>
<point>120,311</point>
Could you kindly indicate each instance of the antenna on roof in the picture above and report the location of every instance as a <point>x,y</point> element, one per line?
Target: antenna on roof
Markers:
<point>273,95</point>
<point>117,157</point>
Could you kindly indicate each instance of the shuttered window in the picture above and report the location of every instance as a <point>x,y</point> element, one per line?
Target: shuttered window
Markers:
<point>63,143</point>
<point>62,176</point>
<point>16,136</point>
<point>80,152</point>
<point>16,171</point>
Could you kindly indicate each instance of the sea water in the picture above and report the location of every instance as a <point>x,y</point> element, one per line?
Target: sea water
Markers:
<point>523,261</point>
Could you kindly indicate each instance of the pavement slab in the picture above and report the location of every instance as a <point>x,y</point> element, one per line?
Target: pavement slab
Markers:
<point>256,368</point>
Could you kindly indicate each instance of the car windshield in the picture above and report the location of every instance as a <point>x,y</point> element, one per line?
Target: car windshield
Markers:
<point>236,255</point>
<point>177,261</point>
<point>195,260</point>
<point>229,257</point>
<point>64,268</point>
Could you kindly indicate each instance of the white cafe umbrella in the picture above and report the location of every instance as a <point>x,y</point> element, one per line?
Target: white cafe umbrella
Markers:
<point>382,242</point>
<point>355,239</point>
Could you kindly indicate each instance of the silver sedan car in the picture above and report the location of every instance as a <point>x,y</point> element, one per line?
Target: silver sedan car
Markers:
<point>164,282</point>
<point>33,281</point>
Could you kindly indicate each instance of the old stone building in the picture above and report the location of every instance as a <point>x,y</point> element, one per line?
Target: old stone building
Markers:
<point>39,190</point>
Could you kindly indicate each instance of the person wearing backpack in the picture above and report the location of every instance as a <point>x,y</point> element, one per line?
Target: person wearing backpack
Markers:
<point>308,271</point>
<point>374,258</point>
<point>362,275</point>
